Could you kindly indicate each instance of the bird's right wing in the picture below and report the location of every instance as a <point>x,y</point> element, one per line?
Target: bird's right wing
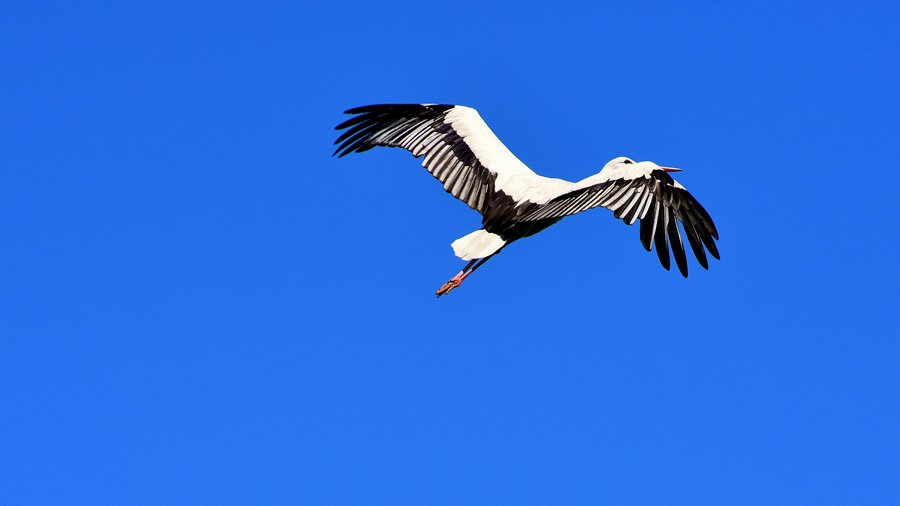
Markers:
<point>459,148</point>
<point>652,197</point>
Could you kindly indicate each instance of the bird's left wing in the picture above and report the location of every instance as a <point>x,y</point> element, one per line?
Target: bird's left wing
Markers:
<point>458,147</point>
<point>652,197</point>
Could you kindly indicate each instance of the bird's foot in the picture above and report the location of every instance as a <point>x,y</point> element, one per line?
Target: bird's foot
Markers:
<point>450,285</point>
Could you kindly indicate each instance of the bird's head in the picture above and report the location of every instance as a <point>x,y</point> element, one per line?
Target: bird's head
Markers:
<point>624,163</point>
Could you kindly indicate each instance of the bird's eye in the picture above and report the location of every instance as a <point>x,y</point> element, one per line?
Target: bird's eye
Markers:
<point>627,161</point>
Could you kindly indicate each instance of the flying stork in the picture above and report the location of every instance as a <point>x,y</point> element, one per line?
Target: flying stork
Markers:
<point>475,167</point>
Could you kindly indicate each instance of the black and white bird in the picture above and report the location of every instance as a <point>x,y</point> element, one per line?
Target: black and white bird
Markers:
<point>475,167</point>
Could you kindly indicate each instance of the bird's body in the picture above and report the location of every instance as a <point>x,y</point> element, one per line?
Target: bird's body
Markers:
<point>461,151</point>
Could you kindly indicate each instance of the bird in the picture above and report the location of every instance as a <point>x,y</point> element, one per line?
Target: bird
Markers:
<point>459,149</point>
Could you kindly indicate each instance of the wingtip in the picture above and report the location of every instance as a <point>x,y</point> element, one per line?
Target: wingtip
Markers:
<point>361,109</point>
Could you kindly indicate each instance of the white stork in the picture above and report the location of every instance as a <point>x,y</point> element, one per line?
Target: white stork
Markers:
<point>464,154</point>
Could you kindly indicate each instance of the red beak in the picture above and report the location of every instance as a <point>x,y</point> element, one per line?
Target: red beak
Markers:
<point>670,169</point>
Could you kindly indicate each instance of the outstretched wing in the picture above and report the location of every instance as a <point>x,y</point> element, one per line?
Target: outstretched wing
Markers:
<point>652,197</point>
<point>458,147</point>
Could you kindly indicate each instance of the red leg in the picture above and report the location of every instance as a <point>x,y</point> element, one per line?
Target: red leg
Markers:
<point>483,260</point>
<point>463,274</point>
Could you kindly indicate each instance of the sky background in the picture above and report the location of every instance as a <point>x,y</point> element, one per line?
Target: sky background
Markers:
<point>199,305</point>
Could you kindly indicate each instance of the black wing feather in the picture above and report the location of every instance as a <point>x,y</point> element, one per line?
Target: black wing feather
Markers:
<point>659,234</point>
<point>423,131</point>
<point>628,199</point>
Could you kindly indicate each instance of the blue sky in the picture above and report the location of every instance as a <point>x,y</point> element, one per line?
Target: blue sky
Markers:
<point>201,306</point>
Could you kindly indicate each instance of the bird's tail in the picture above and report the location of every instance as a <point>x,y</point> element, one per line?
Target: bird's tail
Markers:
<point>478,244</point>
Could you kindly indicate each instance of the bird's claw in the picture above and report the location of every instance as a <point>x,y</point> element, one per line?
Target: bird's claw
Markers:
<point>449,285</point>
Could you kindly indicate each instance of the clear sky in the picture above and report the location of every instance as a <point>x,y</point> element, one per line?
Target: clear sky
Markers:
<point>199,305</point>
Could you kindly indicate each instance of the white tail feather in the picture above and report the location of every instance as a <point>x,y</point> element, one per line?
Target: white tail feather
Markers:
<point>478,244</point>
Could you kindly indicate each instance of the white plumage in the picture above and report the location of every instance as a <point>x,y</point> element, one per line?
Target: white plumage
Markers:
<point>460,150</point>
<point>478,244</point>
<point>513,177</point>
